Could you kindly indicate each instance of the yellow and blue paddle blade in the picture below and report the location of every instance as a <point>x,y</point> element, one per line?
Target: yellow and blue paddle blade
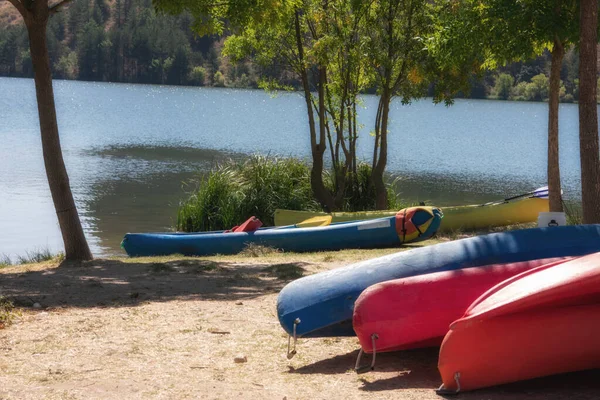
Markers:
<point>321,220</point>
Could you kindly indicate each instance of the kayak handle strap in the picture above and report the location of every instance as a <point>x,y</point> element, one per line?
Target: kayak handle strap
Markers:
<point>442,391</point>
<point>291,354</point>
<point>366,368</point>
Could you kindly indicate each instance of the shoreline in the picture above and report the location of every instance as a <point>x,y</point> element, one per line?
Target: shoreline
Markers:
<point>172,327</point>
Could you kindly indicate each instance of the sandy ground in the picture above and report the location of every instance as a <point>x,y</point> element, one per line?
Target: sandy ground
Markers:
<point>170,329</point>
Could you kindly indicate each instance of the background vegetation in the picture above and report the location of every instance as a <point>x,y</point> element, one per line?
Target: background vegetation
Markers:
<point>126,41</point>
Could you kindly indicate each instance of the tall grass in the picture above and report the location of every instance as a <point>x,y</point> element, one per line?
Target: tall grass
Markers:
<point>234,191</point>
<point>31,257</point>
<point>573,212</point>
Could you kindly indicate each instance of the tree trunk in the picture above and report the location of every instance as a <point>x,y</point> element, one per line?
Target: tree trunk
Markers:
<point>76,247</point>
<point>327,199</point>
<point>553,159</point>
<point>588,113</point>
<point>317,149</point>
<point>377,173</point>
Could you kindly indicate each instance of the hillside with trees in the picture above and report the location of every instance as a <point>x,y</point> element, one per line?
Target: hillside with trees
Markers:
<point>126,41</point>
<point>122,41</point>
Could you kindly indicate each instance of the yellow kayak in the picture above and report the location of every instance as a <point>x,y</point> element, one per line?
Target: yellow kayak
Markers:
<point>455,218</point>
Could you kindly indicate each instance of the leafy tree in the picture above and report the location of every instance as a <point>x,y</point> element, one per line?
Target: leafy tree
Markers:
<point>509,31</point>
<point>36,15</point>
<point>588,112</point>
<point>537,89</point>
<point>67,66</point>
<point>219,79</point>
<point>503,87</point>
<point>396,33</point>
<point>197,76</point>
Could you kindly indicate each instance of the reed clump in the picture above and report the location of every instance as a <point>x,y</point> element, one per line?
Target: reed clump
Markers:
<point>234,191</point>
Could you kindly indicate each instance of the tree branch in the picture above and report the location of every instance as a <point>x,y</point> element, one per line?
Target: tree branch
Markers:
<point>20,7</point>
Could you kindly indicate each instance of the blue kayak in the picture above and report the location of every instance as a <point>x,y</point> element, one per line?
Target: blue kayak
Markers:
<point>322,304</point>
<point>419,223</point>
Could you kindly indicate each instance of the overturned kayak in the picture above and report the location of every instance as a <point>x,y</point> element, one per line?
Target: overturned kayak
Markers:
<point>416,312</point>
<point>322,304</point>
<point>408,225</point>
<point>455,218</point>
<point>542,322</point>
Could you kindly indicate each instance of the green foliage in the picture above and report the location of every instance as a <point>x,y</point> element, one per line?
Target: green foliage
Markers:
<point>219,79</point>
<point>233,192</point>
<point>359,193</point>
<point>38,256</point>
<point>573,212</point>
<point>67,66</point>
<point>117,41</point>
<point>503,86</point>
<point>120,41</point>
<point>197,76</point>
<point>537,89</point>
<point>5,261</point>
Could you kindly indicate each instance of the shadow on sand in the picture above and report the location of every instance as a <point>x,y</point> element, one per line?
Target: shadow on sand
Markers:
<point>417,369</point>
<point>115,283</point>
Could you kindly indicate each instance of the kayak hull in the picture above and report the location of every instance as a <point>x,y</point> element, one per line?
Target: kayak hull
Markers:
<point>324,302</point>
<point>541,322</point>
<point>417,311</point>
<point>521,346</point>
<point>455,218</point>
<point>376,233</point>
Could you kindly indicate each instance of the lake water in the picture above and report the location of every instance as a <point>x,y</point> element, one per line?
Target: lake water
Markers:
<point>128,148</point>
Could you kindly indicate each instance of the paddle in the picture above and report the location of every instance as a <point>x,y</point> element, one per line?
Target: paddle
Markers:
<point>541,193</point>
<point>321,220</point>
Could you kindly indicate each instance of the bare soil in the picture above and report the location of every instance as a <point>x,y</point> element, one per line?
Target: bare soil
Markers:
<point>170,328</point>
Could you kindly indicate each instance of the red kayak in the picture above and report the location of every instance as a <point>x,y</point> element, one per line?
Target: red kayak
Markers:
<point>542,322</point>
<point>417,311</point>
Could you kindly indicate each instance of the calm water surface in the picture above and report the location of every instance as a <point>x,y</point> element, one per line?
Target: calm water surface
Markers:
<point>128,148</point>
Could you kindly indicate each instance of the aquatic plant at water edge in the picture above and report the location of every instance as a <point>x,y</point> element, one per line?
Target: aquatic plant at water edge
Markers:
<point>234,191</point>
<point>38,256</point>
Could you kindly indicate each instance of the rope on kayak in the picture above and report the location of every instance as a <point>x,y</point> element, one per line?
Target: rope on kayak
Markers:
<point>291,354</point>
<point>444,392</point>
<point>366,368</point>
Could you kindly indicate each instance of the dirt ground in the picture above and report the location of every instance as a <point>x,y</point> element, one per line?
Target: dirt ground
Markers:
<point>170,328</point>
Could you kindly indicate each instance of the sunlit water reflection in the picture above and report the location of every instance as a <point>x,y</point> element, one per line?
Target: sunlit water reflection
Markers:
<point>128,148</point>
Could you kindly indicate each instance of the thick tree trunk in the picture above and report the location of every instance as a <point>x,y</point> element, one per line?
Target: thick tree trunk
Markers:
<point>553,159</point>
<point>377,173</point>
<point>588,112</point>
<point>76,247</point>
